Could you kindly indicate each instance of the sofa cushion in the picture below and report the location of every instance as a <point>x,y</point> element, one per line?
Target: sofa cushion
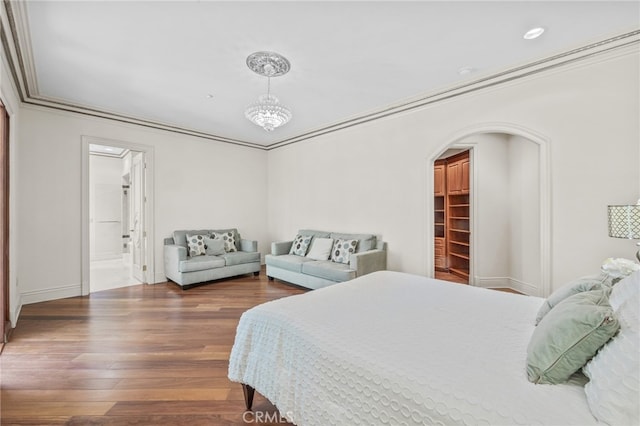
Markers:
<point>213,246</point>
<point>240,257</point>
<point>320,248</point>
<point>196,245</point>
<point>366,242</point>
<point>234,231</point>
<point>300,245</point>
<point>290,262</point>
<point>342,249</point>
<point>229,239</point>
<point>313,233</point>
<point>200,263</point>
<point>180,237</point>
<point>329,270</point>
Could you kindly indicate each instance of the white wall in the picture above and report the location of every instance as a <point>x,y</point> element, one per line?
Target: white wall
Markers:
<point>371,177</point>
<point>491,185</point>
<point>524,215</point>
<point>198,184</point>
<point>105,207</point>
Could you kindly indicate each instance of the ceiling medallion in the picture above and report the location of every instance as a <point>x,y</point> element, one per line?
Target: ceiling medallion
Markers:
<point>268,64</point>
<point>268,112</point>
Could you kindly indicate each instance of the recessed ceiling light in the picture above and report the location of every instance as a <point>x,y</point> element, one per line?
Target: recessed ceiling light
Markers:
<point>533,33</point>
<point>466,70</point>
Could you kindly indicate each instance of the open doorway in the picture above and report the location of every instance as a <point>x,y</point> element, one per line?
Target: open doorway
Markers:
<point>117,214</point>
<point>509,208</point>
<point>111,217</point>
<point>452,215</point>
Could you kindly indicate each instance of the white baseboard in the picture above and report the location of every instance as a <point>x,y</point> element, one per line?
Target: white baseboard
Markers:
<point>525,288</point>
<point>507,282</point>
<point>493,282</point>
<point>158,277</point>
<point>45,295</point>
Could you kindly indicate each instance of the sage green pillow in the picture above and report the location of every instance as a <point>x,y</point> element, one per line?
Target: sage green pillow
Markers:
<point>570,335</point>
<point>579,285</point>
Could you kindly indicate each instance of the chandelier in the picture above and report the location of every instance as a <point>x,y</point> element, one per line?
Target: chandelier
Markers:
<point>268,112</point>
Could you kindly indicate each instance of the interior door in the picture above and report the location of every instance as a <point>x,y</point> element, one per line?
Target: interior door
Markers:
<point>137,220</point>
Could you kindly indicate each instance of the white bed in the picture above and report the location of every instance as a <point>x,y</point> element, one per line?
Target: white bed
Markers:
<point>395,348</point>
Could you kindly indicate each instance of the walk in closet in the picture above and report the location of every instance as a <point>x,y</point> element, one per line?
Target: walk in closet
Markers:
<point>452,231</point>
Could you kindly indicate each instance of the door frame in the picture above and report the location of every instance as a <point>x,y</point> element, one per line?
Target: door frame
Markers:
<point>137,178</point>
<point>472,205</point>
<point>5,155</point>
<point>149,254</point>
<point>544,193</point>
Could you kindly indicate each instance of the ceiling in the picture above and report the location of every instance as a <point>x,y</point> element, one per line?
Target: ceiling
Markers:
<point>181,64</point>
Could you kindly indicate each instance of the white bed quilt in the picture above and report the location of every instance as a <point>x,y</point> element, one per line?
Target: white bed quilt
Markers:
<point>395,348</point>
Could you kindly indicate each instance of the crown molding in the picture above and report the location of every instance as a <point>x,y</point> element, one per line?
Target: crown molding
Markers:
<point>619,45</point>
<point>21,36</point>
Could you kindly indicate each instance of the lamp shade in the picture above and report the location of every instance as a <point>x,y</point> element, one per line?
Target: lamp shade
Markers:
<point>624,221</point>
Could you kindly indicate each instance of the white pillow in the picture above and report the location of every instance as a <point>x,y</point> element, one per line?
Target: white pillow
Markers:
<point>619,267</point>
<point>320,248</point>
<point>625,289</point>
<point>613,390</point>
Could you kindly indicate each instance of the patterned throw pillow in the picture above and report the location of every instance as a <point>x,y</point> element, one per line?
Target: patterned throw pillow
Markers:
<point>229,240</point>
<point>342,250</point>
<point>300,245</point>
<point>196,245</point>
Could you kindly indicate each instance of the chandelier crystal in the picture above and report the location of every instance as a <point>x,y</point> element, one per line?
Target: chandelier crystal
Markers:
<point>268,112</point>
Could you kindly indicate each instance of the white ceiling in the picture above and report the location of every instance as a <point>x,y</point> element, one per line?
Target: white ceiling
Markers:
<point>158,60</point>
<point>107,151</point>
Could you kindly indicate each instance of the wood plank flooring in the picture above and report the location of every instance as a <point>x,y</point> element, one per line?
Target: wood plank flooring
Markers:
<point>140,355</point>
<point>447,276</point>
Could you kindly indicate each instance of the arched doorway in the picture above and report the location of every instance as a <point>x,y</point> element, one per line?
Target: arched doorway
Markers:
<point>510,207</point>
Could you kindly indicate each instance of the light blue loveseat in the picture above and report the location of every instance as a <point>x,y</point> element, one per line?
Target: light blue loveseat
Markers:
<point>185,270</point>
<point>370,256</point>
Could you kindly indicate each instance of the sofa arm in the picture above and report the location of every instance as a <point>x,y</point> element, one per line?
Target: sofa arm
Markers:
<point>248,245</point>
<point>368,261</point>
<point>173,254</point>
<point>281,247</point>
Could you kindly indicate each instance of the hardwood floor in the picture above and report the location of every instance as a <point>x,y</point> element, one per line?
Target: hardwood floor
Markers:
<point>447,276</point>
<point>140,355</point>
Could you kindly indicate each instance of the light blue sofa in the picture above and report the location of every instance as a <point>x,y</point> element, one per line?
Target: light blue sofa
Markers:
<point>370,256</point>
<point>185,270</point>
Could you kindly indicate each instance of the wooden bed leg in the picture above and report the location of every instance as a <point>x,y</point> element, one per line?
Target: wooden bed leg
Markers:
<point>248,395</point>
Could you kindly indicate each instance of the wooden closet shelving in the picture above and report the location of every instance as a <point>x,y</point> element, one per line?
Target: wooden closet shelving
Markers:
<point>439,215</point>
<point>451,214</point>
